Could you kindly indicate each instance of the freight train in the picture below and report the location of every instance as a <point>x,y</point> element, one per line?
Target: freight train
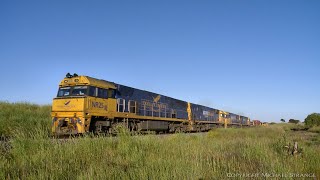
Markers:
<point>85,104</point>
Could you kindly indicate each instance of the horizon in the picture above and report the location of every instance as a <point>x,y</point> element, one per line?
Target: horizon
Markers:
<point>252,58</point>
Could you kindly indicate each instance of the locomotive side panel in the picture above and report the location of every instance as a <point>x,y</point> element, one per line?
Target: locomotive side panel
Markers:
<point>244,120</point>
<point>203,113</point>
<point>152,104</point>
<point>234,118</point>
<point>154,125</point>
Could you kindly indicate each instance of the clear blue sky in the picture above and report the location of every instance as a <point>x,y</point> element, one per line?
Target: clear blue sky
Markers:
<point>256,58</point>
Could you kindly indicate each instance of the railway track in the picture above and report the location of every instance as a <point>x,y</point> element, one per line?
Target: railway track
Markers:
<point>68,138</point>
<point>5,144</point>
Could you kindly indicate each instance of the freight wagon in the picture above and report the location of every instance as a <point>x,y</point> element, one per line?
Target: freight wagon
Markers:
<point>85,104</point>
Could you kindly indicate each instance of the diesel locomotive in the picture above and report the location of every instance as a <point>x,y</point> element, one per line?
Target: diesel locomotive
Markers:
<point>85,104</point>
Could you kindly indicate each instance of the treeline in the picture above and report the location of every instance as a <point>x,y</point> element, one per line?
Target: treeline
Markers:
<point>310,121</point>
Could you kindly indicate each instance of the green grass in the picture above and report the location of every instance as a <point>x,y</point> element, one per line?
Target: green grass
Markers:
<point>33,155</point>
<point>315,129</point>
<point>23,118</point>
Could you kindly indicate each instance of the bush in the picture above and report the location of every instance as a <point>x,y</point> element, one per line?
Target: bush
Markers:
<point>313,119</point>
<point>294,121</point>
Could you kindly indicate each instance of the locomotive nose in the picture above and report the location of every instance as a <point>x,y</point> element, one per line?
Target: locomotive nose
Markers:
<point>67,126</point>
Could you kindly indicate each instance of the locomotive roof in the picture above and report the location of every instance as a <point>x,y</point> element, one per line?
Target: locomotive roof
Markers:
<point>86,80</point>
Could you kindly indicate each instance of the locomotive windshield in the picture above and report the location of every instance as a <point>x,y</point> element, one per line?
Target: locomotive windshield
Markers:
<point>86,91</point>
<point>79,90</point>
<point>65,91</point>
<point>72,91</point>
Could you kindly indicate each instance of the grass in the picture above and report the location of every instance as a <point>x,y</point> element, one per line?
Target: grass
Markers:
<point>315,129</point>
<point>23,118</point>
<point>214,155</point>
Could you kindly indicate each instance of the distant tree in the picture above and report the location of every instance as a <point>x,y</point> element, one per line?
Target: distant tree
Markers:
<point>313,119</point>
<point>272,123</point>
<point>293,121</point>
<point>282,120</point>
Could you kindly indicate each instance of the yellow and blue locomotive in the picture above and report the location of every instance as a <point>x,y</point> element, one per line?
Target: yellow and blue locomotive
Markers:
<point>85,104</point>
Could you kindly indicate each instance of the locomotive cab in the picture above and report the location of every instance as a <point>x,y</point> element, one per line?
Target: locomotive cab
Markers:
<point>79,99</point>
<point>224,117</point>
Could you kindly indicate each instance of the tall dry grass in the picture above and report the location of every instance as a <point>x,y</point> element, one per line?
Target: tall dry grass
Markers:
<point>214,155</point>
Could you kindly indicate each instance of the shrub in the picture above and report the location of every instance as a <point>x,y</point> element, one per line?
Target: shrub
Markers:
<point>294,121</point>
<point>313,119</point>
